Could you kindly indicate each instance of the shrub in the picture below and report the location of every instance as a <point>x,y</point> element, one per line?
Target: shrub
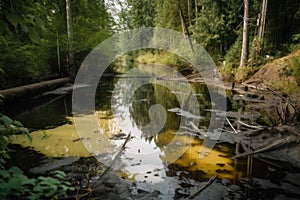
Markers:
<point>13,183</point>
<point>9,127</point>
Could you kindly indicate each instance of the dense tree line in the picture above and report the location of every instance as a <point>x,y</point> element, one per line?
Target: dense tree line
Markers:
<point>218,24</point>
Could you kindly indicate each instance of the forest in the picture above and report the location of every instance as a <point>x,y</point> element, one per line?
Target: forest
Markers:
<point>255,46</point>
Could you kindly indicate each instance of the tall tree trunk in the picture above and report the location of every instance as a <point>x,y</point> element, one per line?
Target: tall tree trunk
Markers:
<point>58,55</point>
<point>262,23</point>
<point>196,9</point>
<point>196,18</point>
<point>189,12</point>
<point>258,41</point>
<point>184,27</point>
<point>70,40</point>
<point>245,43</point>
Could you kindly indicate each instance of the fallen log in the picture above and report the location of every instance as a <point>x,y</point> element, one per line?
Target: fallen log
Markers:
<point>28,91</point>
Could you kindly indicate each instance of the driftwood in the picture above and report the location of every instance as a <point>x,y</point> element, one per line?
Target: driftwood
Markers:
<point>251,126</point>
<point>235,131</point>
<point>202,187</point>
<point>202,132</point>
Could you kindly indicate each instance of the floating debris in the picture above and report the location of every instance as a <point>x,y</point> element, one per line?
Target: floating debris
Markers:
<point>184,113</point>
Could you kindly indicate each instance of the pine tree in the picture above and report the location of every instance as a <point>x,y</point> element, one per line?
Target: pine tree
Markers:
<point>142,13</point>
<point>216,25</point>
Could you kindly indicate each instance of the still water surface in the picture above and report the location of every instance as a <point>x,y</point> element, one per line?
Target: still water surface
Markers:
<point>149,158</point>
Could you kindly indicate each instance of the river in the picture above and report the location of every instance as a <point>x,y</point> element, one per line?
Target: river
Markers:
<point>164,155</point>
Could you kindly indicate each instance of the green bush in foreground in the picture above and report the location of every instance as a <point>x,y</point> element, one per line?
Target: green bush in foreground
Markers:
<point>9,127</point>
<point>13,183</point>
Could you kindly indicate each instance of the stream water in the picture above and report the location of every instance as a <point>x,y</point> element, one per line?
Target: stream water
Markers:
<point>148,158</point>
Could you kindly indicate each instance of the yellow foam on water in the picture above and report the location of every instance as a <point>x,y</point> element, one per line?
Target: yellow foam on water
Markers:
<point>66,140</point>
<point>57,142</point>
<point>216,162</point>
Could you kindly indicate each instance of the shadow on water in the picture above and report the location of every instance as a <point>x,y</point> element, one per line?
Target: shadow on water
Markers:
<point>149,158</point>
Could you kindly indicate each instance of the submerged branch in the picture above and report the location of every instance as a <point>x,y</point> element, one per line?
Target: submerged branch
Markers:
<point>202,187</point>
<point>116,158</point>
<point>198,130</point>
<point>264,149</point>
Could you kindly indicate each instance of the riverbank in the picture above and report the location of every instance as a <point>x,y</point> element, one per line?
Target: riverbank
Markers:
<point>281,75</point>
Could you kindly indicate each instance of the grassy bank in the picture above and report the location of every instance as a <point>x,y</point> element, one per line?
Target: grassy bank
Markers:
<point>282,74</point>
<point>165,58</point>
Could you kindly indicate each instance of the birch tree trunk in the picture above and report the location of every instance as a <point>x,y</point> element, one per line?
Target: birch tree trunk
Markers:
<point>245,43</point>
<point>262,23</point>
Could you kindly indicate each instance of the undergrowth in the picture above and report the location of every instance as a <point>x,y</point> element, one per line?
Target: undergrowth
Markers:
<point>14,184</point>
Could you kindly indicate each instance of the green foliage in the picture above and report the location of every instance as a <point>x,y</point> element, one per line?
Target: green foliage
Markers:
<point>165,58</point>
<point>25,51</point>
<point>15,184</point>
<point>291,67</point>
<point>295,66</point>
<point>24,62</point>
<point>142,13</point>
<point>91,24</point>
<point>217,25</point>
<point>232,57</point>
<point>30,31</point>
<point>21,16</point>
<point>9,127</point>
<point>283,19</point>
<point>295,45</point>
<point>168,14</point>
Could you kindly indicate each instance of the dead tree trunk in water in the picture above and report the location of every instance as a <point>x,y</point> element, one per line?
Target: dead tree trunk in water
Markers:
<point>245,43</point>
<point>70,40</point>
